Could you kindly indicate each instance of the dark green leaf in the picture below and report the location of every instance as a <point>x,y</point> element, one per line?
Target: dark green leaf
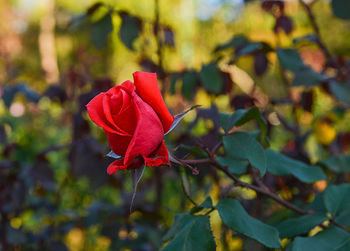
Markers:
<point>300,225</point>
<point>317,204</point>
<point>173,80</point>
<point>211,78</point>
<point>236,41</point>
<point>242,116</point>
<point>207,203</point>
<point>341,91</point>
<point>180,221</point>
<point>307,77</point>
<point>242,146</point>
<point>290,59</point>
<point>129,30</point>
<point>249,48</point>
<point>341,8</point>
<point>100,31</point>
<point>337,198</point>
<point>279,164</point>
<point>338,163</point>
<point>333,239</point>
<point>234,166</point>
<point>192,233</point>
<point>344,218</point>
<point>189,82</point>
<point>235,217</point>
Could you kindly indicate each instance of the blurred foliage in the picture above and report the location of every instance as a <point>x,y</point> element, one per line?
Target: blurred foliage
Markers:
<point>273,82</point>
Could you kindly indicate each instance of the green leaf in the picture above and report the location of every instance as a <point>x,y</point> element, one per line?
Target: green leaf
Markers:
<point>332,238</point>
<point>307,77</point>
<point>249,48</point>
<point>192,233</point>
<point>290,59</point>
<point>236,41</point>
<point>129,30</point>
<point>338,163</point>
<point>300,225</point>
<point>207,203</point>
<point>279,164</point>
<point>341,8</point>
<point>234,166</point>
<point>174,77</point>
<point>242,116</point>
<point>337,198</point>
<point>100,31</point>
<point>211,78</point>
<point>189,85</point>
<point>242,146</point>
<point>235,217</point>
<point>180,222</point>
<point>344,218</point>
<point>341,91</point>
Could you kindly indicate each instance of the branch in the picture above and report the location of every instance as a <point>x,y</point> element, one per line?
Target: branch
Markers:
<point>316,29</point>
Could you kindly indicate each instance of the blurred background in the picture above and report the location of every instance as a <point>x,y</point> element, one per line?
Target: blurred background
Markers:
<point>56,55</point>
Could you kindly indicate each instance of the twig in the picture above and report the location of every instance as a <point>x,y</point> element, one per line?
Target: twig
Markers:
<point>247,185</point>
<point>316,29</point>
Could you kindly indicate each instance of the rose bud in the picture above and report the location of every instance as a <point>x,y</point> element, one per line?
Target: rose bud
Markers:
<point>134,118</point>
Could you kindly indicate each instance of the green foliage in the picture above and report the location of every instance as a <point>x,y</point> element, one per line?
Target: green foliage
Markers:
<point>100,30</point>
<point>210,77</point>
<point>129,30</point>
<point>235,217</point>
<point>189,81</point>
<point>337,199</point>
<point>278,164</point>
<point>190,232</point>
<point>242,116</point>
<point>338,163</point>
<point>300,225</point>
<point>341,91</point>
<point>341,8</point>
<point>242,146</point>
<point>235,166</point>
<point>329,239</point>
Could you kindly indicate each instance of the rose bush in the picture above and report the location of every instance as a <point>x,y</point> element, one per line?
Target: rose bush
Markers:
<point>134,118</point>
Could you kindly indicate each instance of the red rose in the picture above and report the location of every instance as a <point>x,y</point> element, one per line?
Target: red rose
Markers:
<point>134,118</point>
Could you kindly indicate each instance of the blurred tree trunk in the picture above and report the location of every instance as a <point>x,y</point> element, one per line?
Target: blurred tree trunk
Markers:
<point>47,44</point>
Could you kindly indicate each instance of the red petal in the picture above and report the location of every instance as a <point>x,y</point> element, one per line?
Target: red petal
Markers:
<point>158,157</point>
<point>106,104</point>
<point>148,133</point>
<point>115,166</point>
<point>95,111</point>
<point>118,143</point>
<point>119,165</point>
<point>147,89</point>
